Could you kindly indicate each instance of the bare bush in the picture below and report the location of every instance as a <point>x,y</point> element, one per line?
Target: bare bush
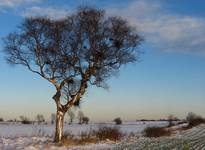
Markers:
<point>156,132</point>
<point>111,133</point>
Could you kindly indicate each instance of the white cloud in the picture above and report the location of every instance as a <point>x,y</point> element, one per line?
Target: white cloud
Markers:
<point>165,30</point>
<point>50,12</point>
<point>13,3</point>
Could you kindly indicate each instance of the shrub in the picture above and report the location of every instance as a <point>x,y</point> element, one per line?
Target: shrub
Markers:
<point>111,133</point>
<point>194,120</point>
<point>117,121</point>
<point>156,132</point>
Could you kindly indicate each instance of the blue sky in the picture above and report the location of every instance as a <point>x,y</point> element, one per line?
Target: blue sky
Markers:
<point>169,79</point>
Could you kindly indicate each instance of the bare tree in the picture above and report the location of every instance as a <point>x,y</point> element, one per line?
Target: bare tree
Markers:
<point>85,120</point>
<point>40,118</point>
<point>84,49</point>
<point>118,121</point>
<point>194,119</point>
<point>71,116</point>
<point>53,118</point>
<point>25,120</point>
<point>80,117</point>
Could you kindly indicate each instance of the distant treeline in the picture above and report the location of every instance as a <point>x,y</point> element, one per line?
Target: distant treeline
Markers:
<point>157,119</point>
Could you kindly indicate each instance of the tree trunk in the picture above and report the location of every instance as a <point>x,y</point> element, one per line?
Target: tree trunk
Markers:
<point>59,126</point>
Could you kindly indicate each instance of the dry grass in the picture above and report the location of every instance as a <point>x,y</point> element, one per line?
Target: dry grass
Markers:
<point>85,138</point>
<point>76,141</point>
<point>156,132</point>
<point>111,133</point>
<point>92,136</point>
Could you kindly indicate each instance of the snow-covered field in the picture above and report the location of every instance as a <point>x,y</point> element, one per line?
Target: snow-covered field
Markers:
<point>11,130</point>
<point>35,137</point>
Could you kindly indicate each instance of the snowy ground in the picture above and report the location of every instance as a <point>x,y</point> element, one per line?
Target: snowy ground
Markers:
<point>35,137</point>
<point>11,130</point>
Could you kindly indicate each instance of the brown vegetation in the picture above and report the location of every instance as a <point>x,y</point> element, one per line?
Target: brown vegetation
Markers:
<point>85,138</point>
<point>93,136</point>
<point>111,133</point>
<point>193,120</point>
<point>156,132</point>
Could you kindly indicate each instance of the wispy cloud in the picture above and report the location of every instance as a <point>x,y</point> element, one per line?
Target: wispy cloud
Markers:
<point>50,12</point>
<point>165,30</point>
<point>13,3</point>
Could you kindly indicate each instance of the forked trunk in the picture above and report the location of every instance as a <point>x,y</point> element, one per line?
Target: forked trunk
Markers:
<point>59,126</point>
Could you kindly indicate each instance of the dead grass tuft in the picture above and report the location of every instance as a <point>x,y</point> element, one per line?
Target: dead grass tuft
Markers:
<point>111,133</point>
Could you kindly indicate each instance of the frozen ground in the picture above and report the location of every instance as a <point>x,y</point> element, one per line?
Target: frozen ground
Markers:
<point>37,137</point>
<point>11,130</point>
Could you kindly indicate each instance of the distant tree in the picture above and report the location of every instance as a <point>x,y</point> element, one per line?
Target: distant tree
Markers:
<point>1,120</point>
<point>194,120</point>
<point>117,121</point>
<point>191,116</point>
<point>71,116</point>
<point>85,120</point>
<point>84,49</point>
<point>40,118</point>
<point>171,119</point>
<point>53,118</point>
<point>24,120</point>
<point>80,117</point>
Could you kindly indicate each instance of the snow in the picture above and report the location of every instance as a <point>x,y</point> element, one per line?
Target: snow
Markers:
<point>11,130</point>
<point>35,137</point>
